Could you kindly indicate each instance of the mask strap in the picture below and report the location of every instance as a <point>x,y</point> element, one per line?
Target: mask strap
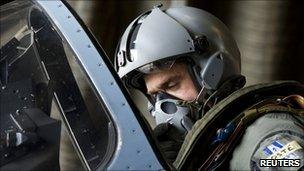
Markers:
<point>227,88</point>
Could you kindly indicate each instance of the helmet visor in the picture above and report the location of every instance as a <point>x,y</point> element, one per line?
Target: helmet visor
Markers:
<point>156,66</point>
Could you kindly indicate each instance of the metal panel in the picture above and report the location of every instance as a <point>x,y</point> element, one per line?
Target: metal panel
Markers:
<point>133,150</point>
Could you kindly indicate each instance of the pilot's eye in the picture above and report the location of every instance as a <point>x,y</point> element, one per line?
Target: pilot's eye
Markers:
<point>171,85</point>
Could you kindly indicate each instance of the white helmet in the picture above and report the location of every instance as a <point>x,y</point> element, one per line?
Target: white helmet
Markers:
<point>157,38</point>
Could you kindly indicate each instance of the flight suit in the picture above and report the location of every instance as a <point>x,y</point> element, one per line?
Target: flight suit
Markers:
<point>257,122</point>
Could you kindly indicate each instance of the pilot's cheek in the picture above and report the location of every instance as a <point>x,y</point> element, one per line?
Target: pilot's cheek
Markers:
<point>187,92</point>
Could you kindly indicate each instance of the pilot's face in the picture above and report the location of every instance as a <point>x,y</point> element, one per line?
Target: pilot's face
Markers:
<point>175,81</point>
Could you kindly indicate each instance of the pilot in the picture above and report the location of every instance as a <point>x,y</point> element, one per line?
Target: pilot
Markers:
<point>187,64</point>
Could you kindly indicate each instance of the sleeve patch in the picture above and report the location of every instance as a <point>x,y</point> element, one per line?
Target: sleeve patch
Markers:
<point>284,152</point>
<point>272,148</point>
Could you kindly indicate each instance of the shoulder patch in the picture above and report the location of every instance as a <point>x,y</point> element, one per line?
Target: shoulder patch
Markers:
<point>272,148</point>
<point>286,151</point>
<point>279,147</point>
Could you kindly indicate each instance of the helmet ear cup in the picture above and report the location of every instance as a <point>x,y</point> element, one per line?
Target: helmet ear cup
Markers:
<point>213,71</point>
